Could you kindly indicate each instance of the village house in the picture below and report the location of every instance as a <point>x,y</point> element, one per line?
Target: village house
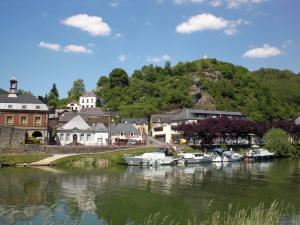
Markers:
<point>78,132</point>
<point>164,126</point>
<point>24,112</point>
<point>139,123</point>
<point>122,133</point>
<point>74,106</point>
<point>88,100</point>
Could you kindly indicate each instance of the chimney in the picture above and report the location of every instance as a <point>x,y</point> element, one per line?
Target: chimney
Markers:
<point>13,88</point>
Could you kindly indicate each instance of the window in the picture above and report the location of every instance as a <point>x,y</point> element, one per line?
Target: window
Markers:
<point>24,106</point>
<point>9,120</point>
<point>61,137</point>
<point>92,100</point>
<point>92,106</point>
<point>88,137</point>
<point>82,101</point>
<point>158,129</point>
<point>122,134</point>
<point>132,134</point>
<point>87,101</point>
<point>23,120</point>
<point>37,107</point>
<point>83,106</point>
<point>10,106</point>
<point>67,137</point>
<point>81,137</point>
<point>37,121</point>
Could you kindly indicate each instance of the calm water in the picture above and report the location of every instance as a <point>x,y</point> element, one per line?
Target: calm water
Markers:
<point>120,195</point>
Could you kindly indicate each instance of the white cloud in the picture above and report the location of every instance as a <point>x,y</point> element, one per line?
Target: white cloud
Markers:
<point>180,2</point>
<point>158,59</point>
<point>94,25</point>
<point>216,3</point>
<point>117,36</point>
<point>286,44</point>
<point>122,58</point>
<point>238,3</point>
<point>77,49</point>
<point>264,52</point>
<point>208,21</point>
<point>51,46</point>
<point>114,3</point>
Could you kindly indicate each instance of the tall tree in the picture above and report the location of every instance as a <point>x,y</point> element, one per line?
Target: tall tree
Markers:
<point>77,90</point>
<point>118,78</point>
<point>102,80</point>
<point>53,98</point>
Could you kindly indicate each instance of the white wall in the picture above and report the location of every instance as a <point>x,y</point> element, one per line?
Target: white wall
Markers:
<point>96,139</point>
<point>167,131</point>
<point>87,102</point>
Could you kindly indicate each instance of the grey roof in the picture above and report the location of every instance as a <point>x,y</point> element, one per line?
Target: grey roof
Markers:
<point>77,122</point>
<point>126,128</point>
<point>89,94</point>
<point>67,116</point>
<point>137,121</point>
<point>20,99</point>
<point>99,127</point>
<point>189,114</point>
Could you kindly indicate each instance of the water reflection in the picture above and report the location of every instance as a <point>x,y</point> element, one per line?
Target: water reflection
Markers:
<point>120,195</point>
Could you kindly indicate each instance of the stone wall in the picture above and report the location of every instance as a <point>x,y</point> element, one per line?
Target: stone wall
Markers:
<point>12,138</point>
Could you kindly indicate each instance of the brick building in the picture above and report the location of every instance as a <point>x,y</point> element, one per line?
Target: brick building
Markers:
<point>24,112</point>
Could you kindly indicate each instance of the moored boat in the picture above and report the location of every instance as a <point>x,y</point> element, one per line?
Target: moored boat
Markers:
<point>159,157</point>
<point>193,158</point>
<point>259,154</point>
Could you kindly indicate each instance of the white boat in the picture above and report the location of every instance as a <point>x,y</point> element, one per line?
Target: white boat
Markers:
<point>191,158</point>
<point>228,156</point>
<point>159,157</point>
<point>260,153</point>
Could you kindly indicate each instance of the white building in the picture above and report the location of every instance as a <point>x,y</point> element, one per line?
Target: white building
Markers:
<point>74,106</point>
<point>121,133</point>
<point>77,131</point>
<point>164,126</point>
<point>88,100</point>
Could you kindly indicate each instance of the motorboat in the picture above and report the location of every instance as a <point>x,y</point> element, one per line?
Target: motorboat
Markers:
<point>192,158</point>
<point>259,154</point>
<point>159,157</point>
<point>225,156</point>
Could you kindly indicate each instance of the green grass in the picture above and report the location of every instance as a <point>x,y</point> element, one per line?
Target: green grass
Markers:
<point>12,159</point>
<point>113,158</point>
<point>275,214</point>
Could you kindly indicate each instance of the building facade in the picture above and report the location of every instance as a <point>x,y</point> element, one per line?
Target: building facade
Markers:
<point>121,133</point>
<point>164,126</point>
<point>78,132</point>
<point>24,112</point>
<point>88,100</point>
<point>74,106</point>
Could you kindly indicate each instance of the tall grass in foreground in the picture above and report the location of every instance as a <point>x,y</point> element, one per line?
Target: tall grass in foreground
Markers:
<point>276,214</point>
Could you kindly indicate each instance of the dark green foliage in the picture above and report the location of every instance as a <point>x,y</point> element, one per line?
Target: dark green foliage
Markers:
<point>23,92</point>
<point>77,90</point>
<point>102,81</point>
<point>53,97</point>
<point>118,78</point>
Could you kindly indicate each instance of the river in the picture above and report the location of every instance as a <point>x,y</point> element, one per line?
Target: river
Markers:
<point>121,195</point>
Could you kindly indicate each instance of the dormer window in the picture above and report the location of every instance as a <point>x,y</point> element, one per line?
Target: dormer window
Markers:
<point>122,134</point>
<point>24,106</point>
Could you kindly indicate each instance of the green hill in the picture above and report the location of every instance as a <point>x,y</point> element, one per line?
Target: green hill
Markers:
<point>263,95</point>
<point>2,91</point>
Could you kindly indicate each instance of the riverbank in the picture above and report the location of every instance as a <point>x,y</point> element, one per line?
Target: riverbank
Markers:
<point>99,159</point>
<point>14,159</point>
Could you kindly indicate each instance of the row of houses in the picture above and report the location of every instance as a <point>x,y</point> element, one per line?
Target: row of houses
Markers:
<point>86,124</point>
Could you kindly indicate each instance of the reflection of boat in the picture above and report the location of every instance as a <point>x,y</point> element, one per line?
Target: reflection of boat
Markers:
<point>159,157</point>
<point>225,156</point>
<point>259,153</point>
<point>190,158</point>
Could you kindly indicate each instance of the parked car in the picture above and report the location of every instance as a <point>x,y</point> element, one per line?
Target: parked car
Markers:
<point>131,142</point>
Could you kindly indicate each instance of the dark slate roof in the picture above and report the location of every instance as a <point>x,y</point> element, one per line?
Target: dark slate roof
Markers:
<point>94,109</point>
<point>20,99</point>
<point>89,94</point>
<point>116,129</point>
<point>137,121</point>
<point>162,118</point>
<point>67,116</point>
<point>189,114</point>
<point>99,127</point>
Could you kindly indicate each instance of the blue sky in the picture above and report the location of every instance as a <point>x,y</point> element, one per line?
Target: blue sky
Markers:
<point>57,41</point>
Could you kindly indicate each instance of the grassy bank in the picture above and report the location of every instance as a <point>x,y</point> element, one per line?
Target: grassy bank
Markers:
<point>12,159</point>
<point>99,159</point>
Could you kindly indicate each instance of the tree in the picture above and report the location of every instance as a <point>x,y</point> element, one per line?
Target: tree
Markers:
<point>118,78</point>
<point>23,92</point>
<point>53,97</point>
<point>102,81</point>
<point>277,140</point>
<point>77,90</point>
